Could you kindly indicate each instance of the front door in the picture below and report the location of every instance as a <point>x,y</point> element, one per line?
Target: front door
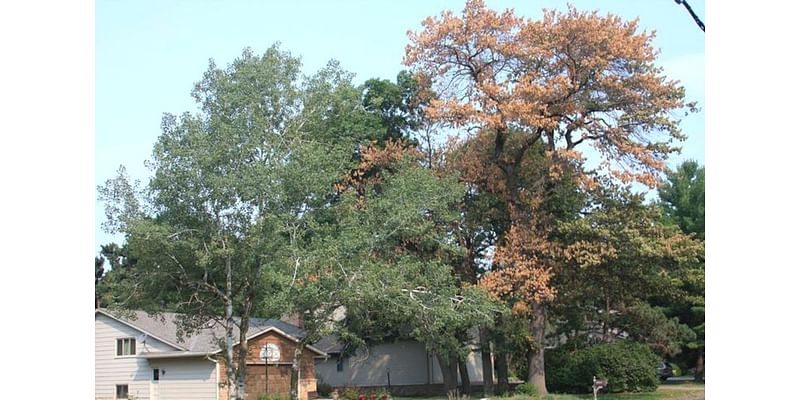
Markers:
<point>154,384</point>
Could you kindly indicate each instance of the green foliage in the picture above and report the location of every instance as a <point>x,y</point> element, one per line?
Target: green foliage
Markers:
<point>683,201</point>
<point>649,325</point>
<point>324,389</point>
<point>676,370</point>
<point>237,194</point>
<point>683,198</point>
<point>527,389</point>
<point>403,229</point>
<point>397,105</point>
<point>113,284</point>
<point>629,367</point>
<point>619,260</point>
<point>349,393</point>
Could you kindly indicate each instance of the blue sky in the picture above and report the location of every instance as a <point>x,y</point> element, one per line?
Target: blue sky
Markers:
<point>150,53</point>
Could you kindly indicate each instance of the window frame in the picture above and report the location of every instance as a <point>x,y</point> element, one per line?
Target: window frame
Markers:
<point>119,347</point>
<point>117,390</point>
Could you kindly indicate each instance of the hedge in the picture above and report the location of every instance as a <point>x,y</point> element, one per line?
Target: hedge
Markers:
<point>628,366</point>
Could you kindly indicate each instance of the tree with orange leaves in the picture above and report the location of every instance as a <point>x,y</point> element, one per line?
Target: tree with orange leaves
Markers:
<point>566,81</point>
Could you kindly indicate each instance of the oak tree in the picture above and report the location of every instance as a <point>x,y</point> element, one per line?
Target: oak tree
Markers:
<point>568,80</point>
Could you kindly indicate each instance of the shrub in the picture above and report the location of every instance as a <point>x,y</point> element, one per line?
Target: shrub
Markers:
<point>527,389</point>
<point>349,393</point>
<point>629,367</point>
<point>324,389</point>
<point>676,370</point>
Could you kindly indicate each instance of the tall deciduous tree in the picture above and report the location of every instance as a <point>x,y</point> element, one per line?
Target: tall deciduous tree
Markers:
<point>568,80</point>
<point>232,188</point>
<point>400,229</point>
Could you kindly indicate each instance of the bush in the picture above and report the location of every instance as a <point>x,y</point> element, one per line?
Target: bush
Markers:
<point>324,389</point>
<point>527,389</point>
<point>676,370</point>
<point>349,393</point>
<point>629,367</point>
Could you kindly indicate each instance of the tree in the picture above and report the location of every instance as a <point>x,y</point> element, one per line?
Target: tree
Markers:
<point>113,284</point>
<point>232,189</point>
<point>683,198</point>
<point>397,218</point>
<point>568,80</point>
<point>683,202</point>
<point>399,105</point>
<point>98,275</point>
<point>618,258</point>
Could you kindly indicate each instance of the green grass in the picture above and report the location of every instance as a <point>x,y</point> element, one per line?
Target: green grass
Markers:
<point>672,391</point>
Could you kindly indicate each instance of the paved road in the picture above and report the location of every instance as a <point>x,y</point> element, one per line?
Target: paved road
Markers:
<point>685,378</point>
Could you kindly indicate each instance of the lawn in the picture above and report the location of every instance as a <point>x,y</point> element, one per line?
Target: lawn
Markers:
<point>672,391</point>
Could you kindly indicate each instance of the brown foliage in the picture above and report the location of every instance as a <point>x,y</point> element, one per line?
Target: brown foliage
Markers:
<point>523,276</point>
<point>374,161</point>
<point>566,79</point>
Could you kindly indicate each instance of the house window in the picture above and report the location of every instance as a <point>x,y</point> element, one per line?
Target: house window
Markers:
<point>126,347</point>
<point>340,364</point>
<point>155,375</point>
<point>122,392</point>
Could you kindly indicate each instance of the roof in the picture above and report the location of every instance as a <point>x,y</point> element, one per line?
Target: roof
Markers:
<point>330,344</point>
<point>165,327</point>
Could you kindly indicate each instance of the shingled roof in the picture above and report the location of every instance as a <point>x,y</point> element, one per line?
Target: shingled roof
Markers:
<point>165,327</point>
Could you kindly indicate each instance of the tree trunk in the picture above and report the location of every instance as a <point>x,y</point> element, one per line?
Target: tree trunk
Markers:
<point>700,367</point>
<point>234,390</point>
<point>464,373</point>
<point>244,322</point>
<point>536,354</point>
<point>501,368</point>
<point>486,361</point>
<point>294,383</point>
<point>449,367</point>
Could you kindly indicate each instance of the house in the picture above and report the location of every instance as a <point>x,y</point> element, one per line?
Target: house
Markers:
<point>404,367</point>
<point>141,356</point>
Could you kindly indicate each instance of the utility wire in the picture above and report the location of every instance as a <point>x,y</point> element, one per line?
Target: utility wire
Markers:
<point>696,18</point>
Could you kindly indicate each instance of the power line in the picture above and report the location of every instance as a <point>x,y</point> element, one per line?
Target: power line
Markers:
<point>696,18</point>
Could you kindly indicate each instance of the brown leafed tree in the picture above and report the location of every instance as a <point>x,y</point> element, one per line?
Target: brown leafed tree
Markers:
<point>564,82</point>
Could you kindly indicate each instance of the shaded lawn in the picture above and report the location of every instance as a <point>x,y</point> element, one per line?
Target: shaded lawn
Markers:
<point>672,391</point>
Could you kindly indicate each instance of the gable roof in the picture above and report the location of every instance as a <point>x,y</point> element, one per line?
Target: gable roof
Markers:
<point>164,327</point>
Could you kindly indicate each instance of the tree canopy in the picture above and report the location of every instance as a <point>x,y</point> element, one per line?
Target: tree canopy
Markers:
<point>309,195</point>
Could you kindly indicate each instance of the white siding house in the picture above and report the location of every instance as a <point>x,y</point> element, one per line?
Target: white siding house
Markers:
<point>395,364</point>
<point>185,379</point>
<point>178,378</point>
<point>142,356</point>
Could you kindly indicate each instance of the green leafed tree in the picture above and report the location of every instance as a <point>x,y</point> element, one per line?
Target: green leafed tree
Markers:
<point>400,248</point>
<point>233,188</point>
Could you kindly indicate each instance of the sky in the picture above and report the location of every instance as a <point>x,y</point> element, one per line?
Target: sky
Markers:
<point>149,54</point>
